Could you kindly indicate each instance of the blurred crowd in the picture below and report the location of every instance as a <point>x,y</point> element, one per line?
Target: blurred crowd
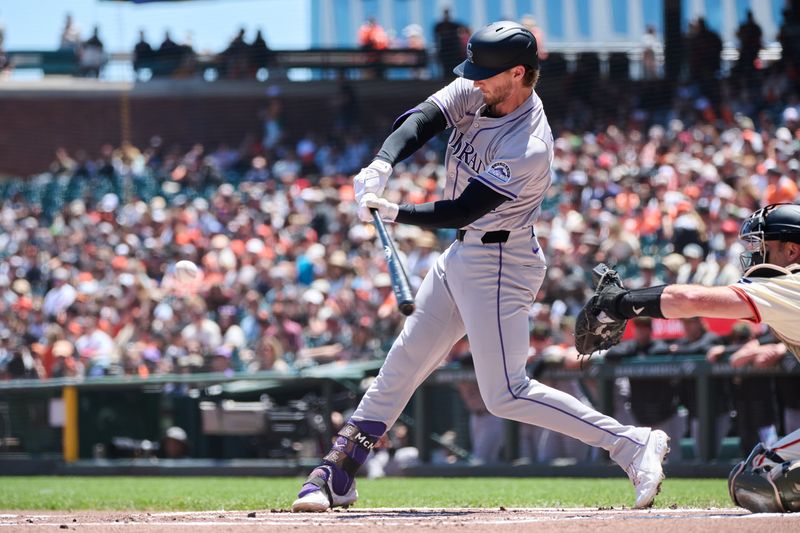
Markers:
<point>291,276</point>
<point>292,279</point>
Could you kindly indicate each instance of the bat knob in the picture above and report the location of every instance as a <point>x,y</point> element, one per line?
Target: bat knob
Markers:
<point>407,308</point>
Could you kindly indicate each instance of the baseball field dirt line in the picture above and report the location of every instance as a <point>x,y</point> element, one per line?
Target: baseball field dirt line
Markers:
<point>547,520</point>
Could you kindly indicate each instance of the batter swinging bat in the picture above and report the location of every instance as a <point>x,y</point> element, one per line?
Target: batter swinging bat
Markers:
<point>400,286</point>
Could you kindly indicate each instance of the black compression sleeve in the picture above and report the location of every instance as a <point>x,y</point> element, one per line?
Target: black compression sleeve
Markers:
<point>417,128</point>
<point>641,302</point>
<point>476,200</point>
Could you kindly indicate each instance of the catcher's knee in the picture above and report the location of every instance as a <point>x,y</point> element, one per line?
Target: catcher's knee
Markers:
<point>765,490</point>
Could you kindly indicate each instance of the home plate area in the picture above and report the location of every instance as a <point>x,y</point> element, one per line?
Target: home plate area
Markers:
<point>538,519</point>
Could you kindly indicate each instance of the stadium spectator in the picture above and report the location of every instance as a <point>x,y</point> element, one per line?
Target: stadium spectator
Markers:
<point>61,296</point>
<point>92,58</point>
<point>704,51</point>
<point>235,59</point>
<point>65,364</point>
<point>272,124</point>
<point>652,49</point>
<point>486,431</point>
<point>540,340</point>
<point>202,329</point>
<point>414,38</point>
<point>450,47</point>
<point>142,53</point>
<point>372,37</point>
<point>562,353</point>
<point>167,58</point>
<point>186,58</point>
<point>22,365</point>
<point>789,38</point>
<point>259,55</point>
<point>754,397</point>
<point>174,444</point>
<point>697,339</point>
<point>529,22</point>
<point>269,355</point>
<point>94,346</point>
<point>70,35</point>
<point>647,274</point>
<point>5,64</point>
<point>653,403</point>
<point>749,34</point>
<point>395,455</point>
<point>780,189</point>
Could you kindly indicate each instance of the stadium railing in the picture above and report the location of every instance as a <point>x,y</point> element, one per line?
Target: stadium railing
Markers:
<point>65,419</point>
<point>605,373</point>
<point>58,62</point>
<point>619,59</point>
<point>66,62</point>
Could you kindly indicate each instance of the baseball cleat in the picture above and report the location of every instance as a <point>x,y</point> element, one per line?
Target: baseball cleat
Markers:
<point>317,494</point>
<point>646,471</point>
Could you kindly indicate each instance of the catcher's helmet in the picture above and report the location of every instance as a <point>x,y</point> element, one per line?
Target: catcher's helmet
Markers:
<point>498,47</point>
<point>775,222</point>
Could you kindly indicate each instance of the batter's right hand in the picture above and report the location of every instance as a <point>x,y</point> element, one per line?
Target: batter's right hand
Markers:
<point>372,179</point>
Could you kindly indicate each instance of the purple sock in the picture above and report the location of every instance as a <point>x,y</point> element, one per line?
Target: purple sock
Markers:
<point>342,480</point>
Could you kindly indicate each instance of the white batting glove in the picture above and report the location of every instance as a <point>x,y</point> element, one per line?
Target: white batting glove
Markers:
<point>372,179</point>
<point>386,209</point>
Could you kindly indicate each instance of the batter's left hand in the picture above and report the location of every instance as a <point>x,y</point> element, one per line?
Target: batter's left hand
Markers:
<point>386,209</point>
<point>371,179</point>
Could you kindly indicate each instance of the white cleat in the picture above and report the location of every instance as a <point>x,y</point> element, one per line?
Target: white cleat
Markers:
<point>646,471</point>
<point>324,498</point>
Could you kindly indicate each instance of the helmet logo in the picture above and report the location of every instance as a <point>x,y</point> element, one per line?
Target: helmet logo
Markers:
<point>469,52</point>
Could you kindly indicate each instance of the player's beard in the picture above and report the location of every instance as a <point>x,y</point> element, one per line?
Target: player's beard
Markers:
<point>501,93</point>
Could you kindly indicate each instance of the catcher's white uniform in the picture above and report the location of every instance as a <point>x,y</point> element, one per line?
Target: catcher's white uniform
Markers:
<point>775,301</point>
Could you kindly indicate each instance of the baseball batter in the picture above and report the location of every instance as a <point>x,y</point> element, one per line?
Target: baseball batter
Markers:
<point>498,170</point>
<point>769,293</point>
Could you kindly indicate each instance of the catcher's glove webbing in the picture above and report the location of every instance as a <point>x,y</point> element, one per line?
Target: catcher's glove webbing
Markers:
<point>595,329</point>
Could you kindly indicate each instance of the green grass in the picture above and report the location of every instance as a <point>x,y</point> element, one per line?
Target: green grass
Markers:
<point>211,493</point>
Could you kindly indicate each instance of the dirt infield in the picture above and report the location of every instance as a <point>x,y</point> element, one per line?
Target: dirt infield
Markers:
<point>540,520</point>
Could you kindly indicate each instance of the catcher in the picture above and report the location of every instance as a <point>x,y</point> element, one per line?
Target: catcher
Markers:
<point>769,292</point>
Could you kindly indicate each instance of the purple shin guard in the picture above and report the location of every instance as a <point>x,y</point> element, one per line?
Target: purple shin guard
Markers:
<point>355,449</point>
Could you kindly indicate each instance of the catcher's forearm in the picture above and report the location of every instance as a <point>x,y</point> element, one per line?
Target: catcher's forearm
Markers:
<point>681,301</point>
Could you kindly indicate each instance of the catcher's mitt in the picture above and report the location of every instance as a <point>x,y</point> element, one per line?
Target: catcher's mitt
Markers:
<point>594,328</point>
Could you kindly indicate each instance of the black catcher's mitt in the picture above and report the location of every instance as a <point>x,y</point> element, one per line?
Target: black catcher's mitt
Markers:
<point>594,328</point>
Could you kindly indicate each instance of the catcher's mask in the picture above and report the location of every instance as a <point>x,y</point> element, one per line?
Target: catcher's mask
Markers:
<point>778,222</point>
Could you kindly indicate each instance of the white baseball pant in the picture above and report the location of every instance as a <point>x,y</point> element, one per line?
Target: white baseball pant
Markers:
<point>486,291</point>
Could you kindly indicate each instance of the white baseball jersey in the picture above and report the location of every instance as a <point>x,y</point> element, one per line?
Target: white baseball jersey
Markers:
<point>511,154</point>
<point>486,289</point>
<point>775,302</point>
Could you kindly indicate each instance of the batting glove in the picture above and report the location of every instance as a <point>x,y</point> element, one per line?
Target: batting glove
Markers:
<point>372,179</point>
<point>386,209</point>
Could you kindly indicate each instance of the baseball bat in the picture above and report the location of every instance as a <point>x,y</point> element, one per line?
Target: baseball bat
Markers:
<point>400,285</point>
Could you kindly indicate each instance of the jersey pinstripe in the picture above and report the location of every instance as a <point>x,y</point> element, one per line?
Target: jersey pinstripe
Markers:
<point>511,154</point>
